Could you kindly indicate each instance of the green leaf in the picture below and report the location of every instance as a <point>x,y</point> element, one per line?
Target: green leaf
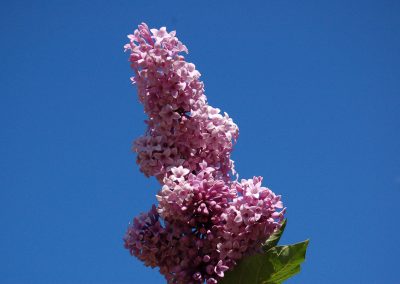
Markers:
<point>250,270</point>
<point>271,267</point>
<point>275,237</point>
<point>286,261</point>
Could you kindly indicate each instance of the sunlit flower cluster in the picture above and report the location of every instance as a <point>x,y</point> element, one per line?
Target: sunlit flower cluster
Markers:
<point>183,129</point>
<point>204,222</point>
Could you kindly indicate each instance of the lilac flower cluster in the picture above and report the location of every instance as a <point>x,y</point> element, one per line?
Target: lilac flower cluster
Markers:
<point>182,128</point>
<point>204,222</point>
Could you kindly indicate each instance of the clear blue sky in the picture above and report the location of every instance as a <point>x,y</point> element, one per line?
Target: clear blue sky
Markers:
<point>313,85</point>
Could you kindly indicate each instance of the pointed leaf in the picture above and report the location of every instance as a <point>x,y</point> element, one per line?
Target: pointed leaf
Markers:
<point>275,237</point>
<point>286,261</point>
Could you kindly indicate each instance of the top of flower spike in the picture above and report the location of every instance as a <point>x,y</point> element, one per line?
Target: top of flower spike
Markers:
<point>142,37</point>
<point>183,129</point>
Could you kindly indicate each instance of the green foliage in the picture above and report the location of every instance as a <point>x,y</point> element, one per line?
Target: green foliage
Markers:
<point>286,261</point>
<point>273,240</point>
<point>275,265</point>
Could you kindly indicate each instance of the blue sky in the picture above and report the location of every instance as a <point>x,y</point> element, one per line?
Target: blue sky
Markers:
<point>313,85</point>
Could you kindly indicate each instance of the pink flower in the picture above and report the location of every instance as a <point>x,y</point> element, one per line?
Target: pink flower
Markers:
<point>174,99</point>
<point>179,173</point>
<point>220,269</point>
<point>168,114</point>
<point>204,222</point>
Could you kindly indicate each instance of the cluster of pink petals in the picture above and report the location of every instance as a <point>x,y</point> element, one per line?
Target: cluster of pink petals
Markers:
<point>204,222</point>
<point>182,128</point>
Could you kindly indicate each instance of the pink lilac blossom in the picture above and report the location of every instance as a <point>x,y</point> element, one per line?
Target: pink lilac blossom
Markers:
<point>204,222</point>
<point>182,128</point>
